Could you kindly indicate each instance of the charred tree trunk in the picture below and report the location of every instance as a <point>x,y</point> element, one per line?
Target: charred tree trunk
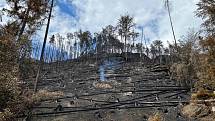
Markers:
<point>43,48</point>
<point>170,18</point>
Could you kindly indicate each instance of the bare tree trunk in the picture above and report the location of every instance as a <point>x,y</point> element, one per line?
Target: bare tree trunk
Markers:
<point>141,53</point>
<point>43,48</point>
<point>126,48</point>
<point>170,18</point>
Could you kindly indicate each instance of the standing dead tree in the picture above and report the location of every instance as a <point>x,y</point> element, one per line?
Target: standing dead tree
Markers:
<point>43,48</point>
<point>167,5</point>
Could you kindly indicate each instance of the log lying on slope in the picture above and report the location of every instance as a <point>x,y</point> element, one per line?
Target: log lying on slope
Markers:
<point>160,68</point>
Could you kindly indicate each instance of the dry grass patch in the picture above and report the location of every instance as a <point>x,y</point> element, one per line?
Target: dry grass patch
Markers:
<point>183,73</point>
<point>156,117</point>
<point>46,95</point>
<point>103,85</point>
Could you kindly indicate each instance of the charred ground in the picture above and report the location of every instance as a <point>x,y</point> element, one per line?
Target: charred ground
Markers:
<point>130,91</point>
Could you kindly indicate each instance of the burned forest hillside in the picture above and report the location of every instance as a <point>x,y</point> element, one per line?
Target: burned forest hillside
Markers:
<point>97,60</point>
<point>113,89</point>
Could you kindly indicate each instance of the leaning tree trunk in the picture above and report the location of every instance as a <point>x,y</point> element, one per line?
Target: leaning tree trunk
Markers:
<point>170,18</point>
<point>43,48</point>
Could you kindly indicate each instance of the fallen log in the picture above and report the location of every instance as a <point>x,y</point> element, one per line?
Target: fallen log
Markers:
<point>94,109</point>
<point>176,94</point>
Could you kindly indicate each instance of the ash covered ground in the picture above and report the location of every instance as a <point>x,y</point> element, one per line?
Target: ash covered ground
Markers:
<point>110,90</point>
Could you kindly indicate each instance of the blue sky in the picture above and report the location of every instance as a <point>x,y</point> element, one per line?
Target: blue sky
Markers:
<point>67,8</point>
<point>93,15</point>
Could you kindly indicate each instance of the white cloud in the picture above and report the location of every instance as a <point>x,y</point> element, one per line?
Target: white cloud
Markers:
<point>95,14</point>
